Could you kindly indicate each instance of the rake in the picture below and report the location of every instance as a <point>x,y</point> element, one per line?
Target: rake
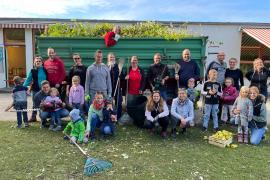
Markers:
<point>176,70</point>
<point>92,165</point>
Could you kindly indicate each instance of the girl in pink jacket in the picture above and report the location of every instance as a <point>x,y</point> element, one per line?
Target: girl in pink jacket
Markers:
<point>228,97</point>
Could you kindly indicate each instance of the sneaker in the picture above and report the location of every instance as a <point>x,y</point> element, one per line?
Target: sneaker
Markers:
<point>173,133</point>
<point>58,128</point>
<point>246,138</point>
<point>92,136</point>
<point>33,119</point>
<point>42,126</point>
<point>164,134</point>
<point>216,129</point>
<point>204,129</point>
<point>26,125</point>
<point>51,127</point>
<point>240,138</point>
<point>184,130</point>
<point>19,126</point>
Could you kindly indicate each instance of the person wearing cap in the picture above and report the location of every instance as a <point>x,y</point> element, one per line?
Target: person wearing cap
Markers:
<point>75,127</point>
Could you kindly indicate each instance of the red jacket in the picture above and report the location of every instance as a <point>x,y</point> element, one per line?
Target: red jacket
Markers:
<point>109,41</point>
<point>229,95</point>
<point>55,71</point>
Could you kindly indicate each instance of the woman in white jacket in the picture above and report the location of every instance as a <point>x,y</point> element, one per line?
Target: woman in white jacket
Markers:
<point>157,113</point>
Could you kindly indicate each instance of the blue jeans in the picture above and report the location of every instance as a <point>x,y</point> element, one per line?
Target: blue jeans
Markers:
<point>163,94</point>
<point>95,122</point>
<point>34,113</point>
<point>208,108</point>
<point>21,106</point>
<point>44,115</point>
<point>55,118</point>
<point>256,135</point>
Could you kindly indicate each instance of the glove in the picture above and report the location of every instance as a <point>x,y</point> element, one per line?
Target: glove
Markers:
<point>87,97</point>
<point>117,37</point>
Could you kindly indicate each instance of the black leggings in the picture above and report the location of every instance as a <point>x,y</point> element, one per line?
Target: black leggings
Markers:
<point>163,122</point>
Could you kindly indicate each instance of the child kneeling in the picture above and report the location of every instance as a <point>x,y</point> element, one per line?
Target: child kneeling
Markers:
<point>76,127</point>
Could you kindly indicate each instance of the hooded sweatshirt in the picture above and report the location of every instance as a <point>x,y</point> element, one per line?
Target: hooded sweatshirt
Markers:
<point>55,71</point>
<point>229,95</point>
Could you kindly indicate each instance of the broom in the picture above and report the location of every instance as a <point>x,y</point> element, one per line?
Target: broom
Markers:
<point>176,70</point>
<point>92,165</point>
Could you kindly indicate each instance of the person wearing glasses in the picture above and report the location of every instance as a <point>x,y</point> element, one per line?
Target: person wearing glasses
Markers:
<point>157,113</point>
<point>33,80</point>
<point>78,69</point>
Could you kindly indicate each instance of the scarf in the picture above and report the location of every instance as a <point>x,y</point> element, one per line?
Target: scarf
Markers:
<point>98,106</point>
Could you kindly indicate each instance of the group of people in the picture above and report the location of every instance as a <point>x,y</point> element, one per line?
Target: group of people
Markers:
<point>89,93</point>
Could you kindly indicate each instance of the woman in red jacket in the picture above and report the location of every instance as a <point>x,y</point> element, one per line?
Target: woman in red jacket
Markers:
<point>112,37</point>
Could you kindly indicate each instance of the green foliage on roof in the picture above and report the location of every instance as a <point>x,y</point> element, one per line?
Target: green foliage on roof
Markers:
<point>141,30</point>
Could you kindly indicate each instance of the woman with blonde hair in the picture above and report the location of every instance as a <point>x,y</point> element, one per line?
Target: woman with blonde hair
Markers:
<point>157,113</point>
<point>258,123</point>
<point>258,76</point>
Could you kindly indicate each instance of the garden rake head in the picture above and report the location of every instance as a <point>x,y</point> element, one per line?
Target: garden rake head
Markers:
<point>92,165</point>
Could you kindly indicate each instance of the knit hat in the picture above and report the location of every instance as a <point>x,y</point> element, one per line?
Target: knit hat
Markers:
<point>75,114</point>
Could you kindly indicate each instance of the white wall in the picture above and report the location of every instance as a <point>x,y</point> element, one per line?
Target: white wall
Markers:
<point>29,49</point>
<point>2,64</point>
<point>225,38</point>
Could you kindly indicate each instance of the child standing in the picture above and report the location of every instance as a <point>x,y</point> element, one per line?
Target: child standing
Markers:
<point>76,126</point>
<point>76,95</point>
<point>192,93</point>
<point>243,111</point>
<point>212,91</point>
<point>20,101</point>
<point>55,104</point>
<point>227,99</point>
<point>109,118</point>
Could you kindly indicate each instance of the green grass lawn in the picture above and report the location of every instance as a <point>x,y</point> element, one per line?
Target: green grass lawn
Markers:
<point>39,154</point>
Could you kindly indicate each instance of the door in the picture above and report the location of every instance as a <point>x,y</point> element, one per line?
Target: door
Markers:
<point>3,76</point>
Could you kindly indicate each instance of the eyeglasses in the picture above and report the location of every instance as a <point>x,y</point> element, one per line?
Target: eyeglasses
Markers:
<point>76,58</point>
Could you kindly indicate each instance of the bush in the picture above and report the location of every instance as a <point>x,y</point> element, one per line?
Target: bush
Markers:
<point>140,30</point>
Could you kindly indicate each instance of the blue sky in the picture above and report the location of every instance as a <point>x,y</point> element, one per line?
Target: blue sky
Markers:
<point>167,10</point>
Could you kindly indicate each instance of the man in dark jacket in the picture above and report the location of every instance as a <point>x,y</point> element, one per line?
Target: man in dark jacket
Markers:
<point>189,69</point>
<point>38,103</point>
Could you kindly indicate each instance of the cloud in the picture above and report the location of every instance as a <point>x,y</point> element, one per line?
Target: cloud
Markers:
<point>41,8</point>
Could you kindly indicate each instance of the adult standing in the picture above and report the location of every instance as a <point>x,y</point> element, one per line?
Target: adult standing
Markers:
<point>78,69</point>
<point>55,68</point>
<point>258,76</point>
<point>114,73</point>
<point>235,73</point>
<point>98,78</point>
<point>136,80</point>
<point>189,69</point>
<point>157,113</point>
<point>158,74</point>
<point>35,77</point>
<point>38,102</point>
<point>258,123</point>
<point>182,112</point>
<point>220,66</point>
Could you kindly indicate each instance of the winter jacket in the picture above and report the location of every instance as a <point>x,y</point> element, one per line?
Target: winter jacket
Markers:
<point>229,95</point>
<point>259,113</point>
<point>19,94</point>
<point>160,114</point>
<point>183,109</point>
<point>259,79</point>
<point>109,39</point>
<point>76,129</point>
<point>55,71</point>
<point>35,76</point>
<point>98,79</point>
<point>220,68</point>
<point>246,108</point>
